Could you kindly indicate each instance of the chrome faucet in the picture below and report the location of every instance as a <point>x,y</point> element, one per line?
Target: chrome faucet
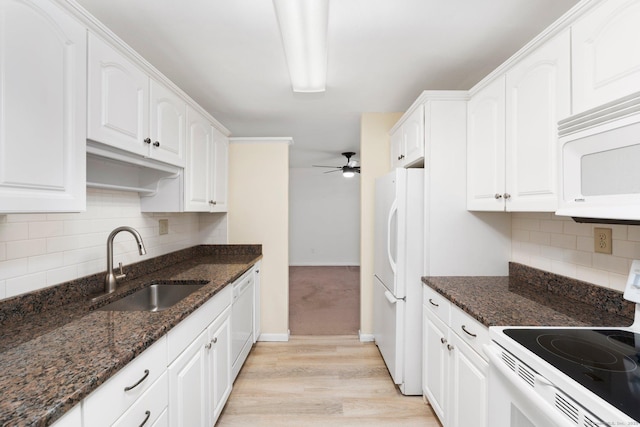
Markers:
<point>111,279</point>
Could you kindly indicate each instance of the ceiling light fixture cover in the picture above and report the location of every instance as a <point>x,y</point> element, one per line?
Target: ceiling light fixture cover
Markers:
<point>303,27</point>
<point>348,172</point>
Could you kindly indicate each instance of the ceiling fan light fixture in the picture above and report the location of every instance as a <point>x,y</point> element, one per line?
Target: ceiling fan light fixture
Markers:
<point>348,172</point>
<point>303,28</point>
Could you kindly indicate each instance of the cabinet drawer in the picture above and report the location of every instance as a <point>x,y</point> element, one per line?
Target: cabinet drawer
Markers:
<point>149,407</point>
<point>470,330</point>
<point>436,303</point>
<point>185,332</point>
<point>103,406</point>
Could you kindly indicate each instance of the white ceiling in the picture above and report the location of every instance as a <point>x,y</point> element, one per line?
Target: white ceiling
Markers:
<point>227,55</point>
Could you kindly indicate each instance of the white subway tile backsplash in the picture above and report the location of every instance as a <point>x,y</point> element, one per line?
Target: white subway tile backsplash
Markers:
<point>42,229</point>
<point>38,250</point>
<point>565,241</point>
<point>27,283</point>
<point>570,250</point>
<point>13,268</point>
<point>26,248</point>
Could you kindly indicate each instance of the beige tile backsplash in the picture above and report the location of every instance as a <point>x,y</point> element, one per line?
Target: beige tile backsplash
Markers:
<point>563,246</point>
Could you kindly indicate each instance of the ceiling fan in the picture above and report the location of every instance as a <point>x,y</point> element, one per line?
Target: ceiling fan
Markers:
<point>348,170</point>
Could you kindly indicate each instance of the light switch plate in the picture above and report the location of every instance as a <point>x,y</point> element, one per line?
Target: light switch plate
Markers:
<point>163,226</point>
<point>602,243</point>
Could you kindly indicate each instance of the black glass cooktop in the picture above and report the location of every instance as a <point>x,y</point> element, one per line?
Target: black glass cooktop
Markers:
<point>604,361</point>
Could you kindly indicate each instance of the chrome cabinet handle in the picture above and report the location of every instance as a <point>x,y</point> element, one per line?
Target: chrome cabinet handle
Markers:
<point>147,140</point>
<point>144,377</point>
<point>148,414</point>
<point>208,346</point>
<point>214,340</point>
<point>449,347</point>
<point>507,196</point>
<point>443,340</point>
<point>497,196</point>
<point>156,144</point>
<point>433,303</point>
<point>467,332</point>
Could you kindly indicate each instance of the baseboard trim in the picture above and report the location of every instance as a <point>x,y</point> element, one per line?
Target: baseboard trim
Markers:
<point>274,337</point>
<point>365,337</point>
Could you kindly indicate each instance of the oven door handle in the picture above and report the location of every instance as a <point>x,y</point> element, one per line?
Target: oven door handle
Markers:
<point>527,392</point>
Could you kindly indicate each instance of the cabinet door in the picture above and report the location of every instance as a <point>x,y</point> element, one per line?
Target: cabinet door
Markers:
<point>188,386</point>
<point>118,99</point>
<point>413,130</point>
<point>605,49</point>
<point>485,148</point>
<point>538,95</point>
<point>220,172</point>
<point>42,108</point>
<point>435,363</point>
<point>198,170</point>
<point>220,364</point>
<point>167,125</point>
<point>73,418</point>
<point>397,148</point>
<point>468,386</point>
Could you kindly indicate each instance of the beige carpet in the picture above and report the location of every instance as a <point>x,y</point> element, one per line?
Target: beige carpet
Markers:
<point>324,300</point>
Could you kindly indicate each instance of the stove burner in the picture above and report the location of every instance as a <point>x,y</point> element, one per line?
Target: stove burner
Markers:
<point>586,353</point>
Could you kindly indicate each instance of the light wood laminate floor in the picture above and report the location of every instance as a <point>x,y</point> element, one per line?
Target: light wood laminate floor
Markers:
<point>320,381</point>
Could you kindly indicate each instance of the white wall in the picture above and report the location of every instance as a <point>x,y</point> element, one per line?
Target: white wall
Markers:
<point>41,250</point>
<point>563,246</point>
<point>324,218</point>
<point>259,214</point>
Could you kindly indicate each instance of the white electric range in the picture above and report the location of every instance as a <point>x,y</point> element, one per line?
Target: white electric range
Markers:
<point>557,377</point>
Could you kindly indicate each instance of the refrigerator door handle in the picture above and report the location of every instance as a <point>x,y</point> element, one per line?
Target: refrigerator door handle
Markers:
<point>392,211</point>
<point>389,296</point>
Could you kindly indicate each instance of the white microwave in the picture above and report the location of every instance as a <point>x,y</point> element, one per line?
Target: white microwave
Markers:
<point>600,163</point>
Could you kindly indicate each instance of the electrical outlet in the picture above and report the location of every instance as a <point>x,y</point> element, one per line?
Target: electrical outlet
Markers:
<point>163,226</point>
<point>602,240</point>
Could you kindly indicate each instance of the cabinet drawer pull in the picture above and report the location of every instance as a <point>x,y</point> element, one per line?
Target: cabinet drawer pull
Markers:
<point>144,377</point>
<point>433,303</point>
<point>148,414</point>
<point>467,332</point>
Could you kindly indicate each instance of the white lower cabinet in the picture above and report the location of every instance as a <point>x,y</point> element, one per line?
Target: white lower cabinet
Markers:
<point>454,370</point>
<point>72,418</point>
<point>219,364</point>
<point>113,398</point>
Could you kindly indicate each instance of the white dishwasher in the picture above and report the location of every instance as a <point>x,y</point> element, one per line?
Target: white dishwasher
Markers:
<point>241,322</point>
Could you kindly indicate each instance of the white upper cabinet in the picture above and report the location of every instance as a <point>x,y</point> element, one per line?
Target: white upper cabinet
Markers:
<point>512,132</point>
<point>220,176</point>
<point>130,111</point>
<point>537,97</point>
<point>485,148</point>
<point>42,108</point>
<point>199,167</point>
<point>118,99</point>
<point>605,46</point>
<point>407,139</point>
<point>167,125</point>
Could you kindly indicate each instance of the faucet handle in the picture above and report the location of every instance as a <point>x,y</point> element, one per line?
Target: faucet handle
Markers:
<point>121,275</point>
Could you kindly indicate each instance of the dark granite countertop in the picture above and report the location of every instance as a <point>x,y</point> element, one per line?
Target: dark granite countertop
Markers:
<point>531,297</point>
<point>55,348</point>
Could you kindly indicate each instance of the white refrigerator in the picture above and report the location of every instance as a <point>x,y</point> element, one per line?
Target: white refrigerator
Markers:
<point>398,267</point>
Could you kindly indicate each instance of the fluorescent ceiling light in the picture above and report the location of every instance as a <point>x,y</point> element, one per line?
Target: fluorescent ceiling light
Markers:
<point>303,27</point>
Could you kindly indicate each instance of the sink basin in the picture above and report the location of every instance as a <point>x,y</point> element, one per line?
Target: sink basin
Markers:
<point>156,297</point>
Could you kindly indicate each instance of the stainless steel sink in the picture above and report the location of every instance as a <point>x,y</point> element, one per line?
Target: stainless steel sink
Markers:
<point>155,297</point>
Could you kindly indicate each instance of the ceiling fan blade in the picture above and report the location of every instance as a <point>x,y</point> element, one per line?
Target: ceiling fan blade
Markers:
<point>332,167</point>
<point>331,171</point>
